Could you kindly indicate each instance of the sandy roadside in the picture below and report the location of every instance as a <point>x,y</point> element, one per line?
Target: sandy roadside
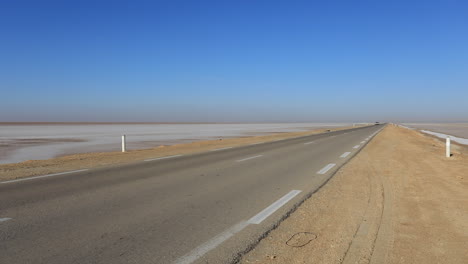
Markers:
<point>94,160</point>
<point>398,201</point>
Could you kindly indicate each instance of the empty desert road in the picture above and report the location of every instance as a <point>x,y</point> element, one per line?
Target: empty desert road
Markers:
<point>199,208</point>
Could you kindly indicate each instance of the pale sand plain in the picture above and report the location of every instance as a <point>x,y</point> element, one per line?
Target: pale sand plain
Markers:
<point>398,201</point>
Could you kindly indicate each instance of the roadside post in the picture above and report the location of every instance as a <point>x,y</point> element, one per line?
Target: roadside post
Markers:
<point>123,144</point>
<point>447,148</point>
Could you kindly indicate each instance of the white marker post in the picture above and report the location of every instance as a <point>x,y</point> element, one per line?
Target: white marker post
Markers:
<point>123,144</point>
<point>447,148</point>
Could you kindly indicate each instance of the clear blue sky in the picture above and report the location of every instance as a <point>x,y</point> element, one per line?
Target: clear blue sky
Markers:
<point>233,61</point>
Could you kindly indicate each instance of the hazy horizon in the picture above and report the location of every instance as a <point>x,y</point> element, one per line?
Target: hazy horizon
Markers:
<point>234,62</point>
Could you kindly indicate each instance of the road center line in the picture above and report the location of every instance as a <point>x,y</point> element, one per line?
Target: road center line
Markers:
<point>221,149</point>
<point>249,158</point>
<point>355,147</point>
<point>201,250</point>
<point>43,176</point>
<point>167,157</point>
<point>326,168</point>
<point>307,143</point>
<point>344,155</point>
<point>4,219</point>
<point>258,218</point>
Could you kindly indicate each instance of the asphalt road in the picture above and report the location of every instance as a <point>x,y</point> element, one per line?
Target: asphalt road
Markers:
<point>199,208</point>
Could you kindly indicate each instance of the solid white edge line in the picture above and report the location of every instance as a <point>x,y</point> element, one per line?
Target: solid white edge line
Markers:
<point>344,155</point>
<point>221,149</point>
<point>265,213</point>
<point>326,168</point>
<point>167,157</point>
<point>249,158</point>
<point>357,146</point>
<point>201,250</point>
<point>43,176</point>
<point>4,219</point>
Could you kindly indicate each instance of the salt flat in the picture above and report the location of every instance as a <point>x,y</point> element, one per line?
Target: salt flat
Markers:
<point>40,141</point>
<point>459,131</point>
<point>454,129</point>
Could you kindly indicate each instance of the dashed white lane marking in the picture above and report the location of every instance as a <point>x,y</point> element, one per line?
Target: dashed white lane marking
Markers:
<point>201,250</point>
<point>355,147</point>
<point>326,168</point>
<point>344,155</point>
<point>362,142</point>
<point>43,176</point>
<point>256,143</point>
<point>221,149</point>
<point>258,218</point>
<point>4,219</point>
<point>307,143</point>
<point>167,157</point>
<point>249,158</point>
<point>204,248</point>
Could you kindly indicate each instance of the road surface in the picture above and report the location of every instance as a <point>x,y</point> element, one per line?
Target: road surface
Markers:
<point>199,208</point>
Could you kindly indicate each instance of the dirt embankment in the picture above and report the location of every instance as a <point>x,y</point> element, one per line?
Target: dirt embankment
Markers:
<point>398,201</point>
<point>93,160</point>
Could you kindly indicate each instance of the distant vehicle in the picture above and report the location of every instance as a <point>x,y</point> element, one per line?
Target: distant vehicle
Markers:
<point>377,123</point>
